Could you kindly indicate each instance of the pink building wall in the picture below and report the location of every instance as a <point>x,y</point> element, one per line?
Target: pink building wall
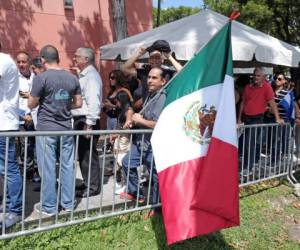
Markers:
<point>30,24</point>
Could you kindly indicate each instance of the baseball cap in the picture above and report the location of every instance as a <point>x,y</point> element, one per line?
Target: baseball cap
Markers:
<point>159,45</point>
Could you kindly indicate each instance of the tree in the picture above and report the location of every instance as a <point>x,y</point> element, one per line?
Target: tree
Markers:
<point>158,13</point>
<point>171,14</point>
<point>279,18</point>
<point>119,19</point>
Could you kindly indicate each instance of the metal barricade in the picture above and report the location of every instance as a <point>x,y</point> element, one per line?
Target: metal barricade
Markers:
<point>265,152</point>
<point>128,178</point>
<point>44,210</point>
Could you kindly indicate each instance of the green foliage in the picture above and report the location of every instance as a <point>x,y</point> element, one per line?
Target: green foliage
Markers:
<point>171,14</point>
<point>279,18</point>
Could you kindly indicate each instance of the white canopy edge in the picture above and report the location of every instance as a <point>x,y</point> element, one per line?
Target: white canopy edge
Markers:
<point>186,36</point>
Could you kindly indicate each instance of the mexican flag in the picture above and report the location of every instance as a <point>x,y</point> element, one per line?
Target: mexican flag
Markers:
<point>195,145</point>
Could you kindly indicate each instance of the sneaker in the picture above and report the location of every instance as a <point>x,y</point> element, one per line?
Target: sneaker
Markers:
<point>70,209</point>
<point>38,209</point>
<point>130,197</point>
<point>119,188</point>
<point>10,220</point>
<point>36,177</point>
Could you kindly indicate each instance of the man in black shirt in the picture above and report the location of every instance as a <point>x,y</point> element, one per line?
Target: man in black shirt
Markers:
<point>56,91</point>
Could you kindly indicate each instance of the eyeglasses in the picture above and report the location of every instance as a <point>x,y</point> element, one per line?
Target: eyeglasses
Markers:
<point>279,79</point>
<point>112,78</point>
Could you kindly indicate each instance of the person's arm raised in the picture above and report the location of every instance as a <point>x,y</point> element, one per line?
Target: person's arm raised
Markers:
<point>129,66</point>
<point>172,60</point>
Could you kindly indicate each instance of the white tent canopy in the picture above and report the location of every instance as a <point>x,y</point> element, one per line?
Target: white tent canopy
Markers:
<point>187,35</point>
<point>249,71</point>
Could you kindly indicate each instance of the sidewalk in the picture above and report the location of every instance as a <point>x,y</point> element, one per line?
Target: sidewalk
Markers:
<point>105,199</point>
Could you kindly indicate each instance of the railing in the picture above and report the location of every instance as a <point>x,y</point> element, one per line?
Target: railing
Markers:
<point>265,152</point>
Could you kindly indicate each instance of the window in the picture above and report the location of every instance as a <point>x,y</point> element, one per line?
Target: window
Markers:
<point>68,4</point>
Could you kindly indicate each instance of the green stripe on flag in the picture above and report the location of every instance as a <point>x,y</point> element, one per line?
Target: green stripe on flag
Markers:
<point>208,67</point>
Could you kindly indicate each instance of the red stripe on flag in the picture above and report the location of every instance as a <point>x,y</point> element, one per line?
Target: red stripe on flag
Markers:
<point>219,190</point>
<point>177,189</point>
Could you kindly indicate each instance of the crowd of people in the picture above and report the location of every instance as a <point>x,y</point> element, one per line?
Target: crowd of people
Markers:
<point>266,102</point>
<point>38,95</point>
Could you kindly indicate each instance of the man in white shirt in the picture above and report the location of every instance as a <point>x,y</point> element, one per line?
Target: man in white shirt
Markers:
<point>25,79</point>
<point>87,118</point>
<point>9,98</point>
<point>26,123</point>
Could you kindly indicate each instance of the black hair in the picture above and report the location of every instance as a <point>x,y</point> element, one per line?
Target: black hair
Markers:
<point>124,99</point>
<point>280,73</point>
<point>37,62</point>
<point>119,76</point>
<point>163,72</point>
<point>50,54</point>
<point>125,102</point>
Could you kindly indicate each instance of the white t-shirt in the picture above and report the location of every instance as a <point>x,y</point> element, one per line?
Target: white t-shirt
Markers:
<point>9,93</point>
<point>25,86</point>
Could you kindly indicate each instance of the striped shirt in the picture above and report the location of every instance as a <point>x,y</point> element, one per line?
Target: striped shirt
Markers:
<point>279,96</point>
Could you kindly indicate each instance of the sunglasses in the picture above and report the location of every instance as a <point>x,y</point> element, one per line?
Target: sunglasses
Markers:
<point>279,79</point>
<point>112,78</point>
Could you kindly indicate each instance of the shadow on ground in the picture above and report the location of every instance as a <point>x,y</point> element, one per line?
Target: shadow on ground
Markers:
<point>211,241</point>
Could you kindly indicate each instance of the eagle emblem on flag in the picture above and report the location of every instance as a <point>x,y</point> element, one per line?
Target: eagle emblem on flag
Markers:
<point>199,122</point>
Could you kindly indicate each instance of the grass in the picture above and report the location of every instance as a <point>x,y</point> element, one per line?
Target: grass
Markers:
<point>266,214</point>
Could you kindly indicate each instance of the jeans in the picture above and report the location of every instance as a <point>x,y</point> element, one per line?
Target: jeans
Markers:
<point>14,179</point>
<point>111,123</point>
<point>31,155</point>
<point>47,148</point>
<point>252,140</point>
<point>133,157</point>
